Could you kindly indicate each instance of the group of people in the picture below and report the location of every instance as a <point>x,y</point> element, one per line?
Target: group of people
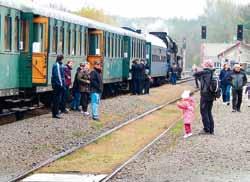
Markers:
<point>87,86</point>
<point>141,79</point>
<point>235,79</point>
<point>229,79</point>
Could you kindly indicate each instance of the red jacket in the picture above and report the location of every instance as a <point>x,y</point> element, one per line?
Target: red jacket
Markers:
<point>67,75</point>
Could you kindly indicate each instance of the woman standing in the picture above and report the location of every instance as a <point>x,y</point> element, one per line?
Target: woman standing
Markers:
<point>83,78</point>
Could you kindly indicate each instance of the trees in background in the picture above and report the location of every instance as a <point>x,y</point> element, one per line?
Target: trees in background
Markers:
<point>96,14</point>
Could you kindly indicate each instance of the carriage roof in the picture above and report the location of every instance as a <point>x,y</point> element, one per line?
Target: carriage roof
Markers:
<point>155,40</point>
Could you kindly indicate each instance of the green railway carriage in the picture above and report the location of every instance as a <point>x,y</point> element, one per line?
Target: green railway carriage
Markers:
<point>32,36</point>
<point>9,52</point>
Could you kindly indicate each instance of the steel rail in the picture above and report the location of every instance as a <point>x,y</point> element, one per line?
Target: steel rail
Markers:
<point>65,153</point>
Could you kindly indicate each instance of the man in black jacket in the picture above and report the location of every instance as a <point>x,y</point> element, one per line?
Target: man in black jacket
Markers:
<point>96,88</point>
<point>58,85</point>
<point>207,98</point>
<point>238,79</point>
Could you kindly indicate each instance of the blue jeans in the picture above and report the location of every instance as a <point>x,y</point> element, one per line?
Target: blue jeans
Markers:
<point>76,100</point>
<point>173,78</point>
<point>95,102</point>
<point>225,92</point>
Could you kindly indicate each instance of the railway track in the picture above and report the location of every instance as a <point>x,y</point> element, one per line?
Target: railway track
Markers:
<point>63,154</point>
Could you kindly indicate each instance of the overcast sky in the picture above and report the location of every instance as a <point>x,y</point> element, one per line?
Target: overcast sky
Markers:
<point>142,8</point>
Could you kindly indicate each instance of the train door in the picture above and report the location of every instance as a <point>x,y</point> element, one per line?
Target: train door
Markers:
<point>126,57</point>
<point>96,46</point>
<point>40,50</point>
<point>148,55</point>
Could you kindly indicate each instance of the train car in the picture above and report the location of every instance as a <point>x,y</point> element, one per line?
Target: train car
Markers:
<point>33,36</point>
<point>156,58</point>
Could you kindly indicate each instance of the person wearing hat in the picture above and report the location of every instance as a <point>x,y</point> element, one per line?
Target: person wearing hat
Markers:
<point>207,97</point>
<point>225,83</point>
<point>96,88</point>
<point>58,84</point>
<point>187,105</point>
<point>238,79</point>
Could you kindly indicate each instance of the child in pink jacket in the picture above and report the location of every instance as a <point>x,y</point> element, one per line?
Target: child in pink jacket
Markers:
<point>187,105</point>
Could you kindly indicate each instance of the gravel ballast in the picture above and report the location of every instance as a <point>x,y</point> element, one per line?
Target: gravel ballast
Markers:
<point>27,143</point>
<point>222,157</point>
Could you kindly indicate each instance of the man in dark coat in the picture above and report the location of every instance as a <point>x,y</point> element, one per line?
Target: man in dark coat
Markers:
<point>141,78</point>
<point>133,76</point>
<point>58,84</point>
<point>96,88</point>
<point>225,83</point>
<point>238,79</point>
<point>207,98</point>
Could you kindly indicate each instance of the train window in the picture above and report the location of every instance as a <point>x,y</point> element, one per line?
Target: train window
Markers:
<point>86,41</point>
<point>74,43</point>
<point>68,38</point>
<point>132,48</point>
<point>114,44</point>
<point>54,39</point>
<point>24,38</point>
<point>7,33</point>
<point>83,43</point>
<point>61,40</point>
<point>16,34</point>
<point>120,42</point>
<point>118,46</point>
<point>110,46</point>
<point>79,42</point>
<point>137,48</point>
<point>105,43</point>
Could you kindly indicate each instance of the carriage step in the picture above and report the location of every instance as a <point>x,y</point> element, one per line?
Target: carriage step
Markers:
<point>23,109</point>
<point>13,101</point>
<point>6,114</point>
<point>27,100</point>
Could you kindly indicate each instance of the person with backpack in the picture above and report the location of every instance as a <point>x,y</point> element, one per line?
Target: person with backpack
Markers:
<point>208,96</point>
<point>238,79</point>
<point>225,83</point>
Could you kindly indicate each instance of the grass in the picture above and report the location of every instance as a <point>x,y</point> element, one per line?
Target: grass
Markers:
<point>177,129</point>
<point>110,151</point>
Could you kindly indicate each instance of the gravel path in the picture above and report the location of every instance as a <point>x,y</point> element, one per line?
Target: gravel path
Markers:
<point>222,157</point>
<point>27,143</point>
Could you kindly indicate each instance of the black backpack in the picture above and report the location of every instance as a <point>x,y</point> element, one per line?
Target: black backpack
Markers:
<point>214,87</point>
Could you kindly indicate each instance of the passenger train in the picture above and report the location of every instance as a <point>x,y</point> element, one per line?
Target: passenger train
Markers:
<point>32,36</point>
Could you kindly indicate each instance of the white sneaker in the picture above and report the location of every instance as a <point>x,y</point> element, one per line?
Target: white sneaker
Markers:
<point>86,113</point>
<point>185,136</point>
